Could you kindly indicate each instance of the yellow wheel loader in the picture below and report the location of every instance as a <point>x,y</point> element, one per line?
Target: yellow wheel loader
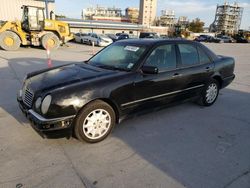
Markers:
<point>33,30</point>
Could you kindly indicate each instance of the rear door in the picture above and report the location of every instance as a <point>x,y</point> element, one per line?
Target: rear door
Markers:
<point>195,69</point>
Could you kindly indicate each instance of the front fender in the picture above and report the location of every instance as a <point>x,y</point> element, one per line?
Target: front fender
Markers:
<point>68,101</point>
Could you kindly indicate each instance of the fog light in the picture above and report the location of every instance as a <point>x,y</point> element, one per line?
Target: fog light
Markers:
<point>20,93</point>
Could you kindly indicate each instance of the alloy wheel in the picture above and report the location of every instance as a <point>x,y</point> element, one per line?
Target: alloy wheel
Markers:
<point>96,124</point>
<point>211,93</point>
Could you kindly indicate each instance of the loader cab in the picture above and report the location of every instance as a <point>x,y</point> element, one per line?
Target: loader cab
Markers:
<point>33,18</point>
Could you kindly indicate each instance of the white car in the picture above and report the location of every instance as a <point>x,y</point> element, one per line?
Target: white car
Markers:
<point>98,40</point>
<point>79,37</point>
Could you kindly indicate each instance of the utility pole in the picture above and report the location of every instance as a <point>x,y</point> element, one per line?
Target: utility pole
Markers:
<point>47,9</point>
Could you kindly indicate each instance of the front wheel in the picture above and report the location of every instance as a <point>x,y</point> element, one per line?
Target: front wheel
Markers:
<point>95,122</point>
<point>9,41</point>
<point>210,93</point>
<point>51,41</point>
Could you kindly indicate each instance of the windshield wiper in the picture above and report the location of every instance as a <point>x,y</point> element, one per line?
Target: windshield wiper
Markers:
<point>111,67</point>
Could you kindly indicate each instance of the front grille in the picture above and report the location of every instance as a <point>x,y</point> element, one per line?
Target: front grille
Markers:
<point>28,97</point>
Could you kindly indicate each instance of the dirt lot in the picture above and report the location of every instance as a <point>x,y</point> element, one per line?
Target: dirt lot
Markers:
<point>182,146</point>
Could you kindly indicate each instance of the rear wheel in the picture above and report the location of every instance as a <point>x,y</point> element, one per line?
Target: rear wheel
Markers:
<point>51,41</point>
<point>210,93</point>
<point>95,122</point>
<point>9,41</point>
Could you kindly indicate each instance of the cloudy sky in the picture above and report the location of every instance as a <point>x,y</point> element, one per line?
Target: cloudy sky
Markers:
<point>205,10</point>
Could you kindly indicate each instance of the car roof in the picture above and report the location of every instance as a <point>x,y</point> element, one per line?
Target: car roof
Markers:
<point>148,32</point>
<point>152,42</point>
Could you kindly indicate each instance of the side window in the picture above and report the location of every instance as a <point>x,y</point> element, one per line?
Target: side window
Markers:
<point>189,55</point>
<point>163,57</point>
<point>204,59</point>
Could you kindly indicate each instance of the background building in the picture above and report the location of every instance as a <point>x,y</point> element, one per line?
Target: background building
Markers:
<point>104,14</point>
<point>132,14</point>
<point>183,22</point>
<point>11,9</point>
<point>227,19</point>
<point>167,18</point>
<point>147,12</point>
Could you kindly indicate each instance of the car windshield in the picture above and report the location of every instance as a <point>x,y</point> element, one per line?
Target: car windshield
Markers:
<point>118,57</point>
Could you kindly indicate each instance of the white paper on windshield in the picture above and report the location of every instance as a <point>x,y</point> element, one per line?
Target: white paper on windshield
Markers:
<point>131,48</point>
<point>130,65</point>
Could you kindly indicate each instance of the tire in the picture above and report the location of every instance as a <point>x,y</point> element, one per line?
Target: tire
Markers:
<point>91,129</point>
<point>51,41</point>
<point>9,41</point>
<point>82,41</point>
<point>90,43</point>
<point>210,93</point>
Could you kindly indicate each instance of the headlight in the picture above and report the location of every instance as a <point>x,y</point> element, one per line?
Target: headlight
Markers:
<point>38,102</point>
<point>45,104</point>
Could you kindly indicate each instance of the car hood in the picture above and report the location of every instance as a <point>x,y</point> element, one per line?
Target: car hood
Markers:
<point>63,76</point>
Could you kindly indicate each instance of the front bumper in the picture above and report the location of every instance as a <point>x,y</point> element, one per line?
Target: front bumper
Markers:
<point>48,128</point>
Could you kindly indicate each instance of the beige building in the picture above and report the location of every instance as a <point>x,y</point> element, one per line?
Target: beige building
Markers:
<point>168,18</point>
<point>132,14</point>
<point>227,18</point>
<point>104,14</point>
<point>89,13</point>
<point>11,9</point>
<point>147,13</point>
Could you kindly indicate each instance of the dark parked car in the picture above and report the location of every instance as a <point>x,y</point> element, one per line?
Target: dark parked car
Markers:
<point>148,35</point>
<point>226,39</point>
<point>240,39</point>
<point>129,76</point>
<point>207,38</point>
<point>123,36</point>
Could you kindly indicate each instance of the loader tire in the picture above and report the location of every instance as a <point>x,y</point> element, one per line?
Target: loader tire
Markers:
<point>51,41</point>
<point>9,41</point>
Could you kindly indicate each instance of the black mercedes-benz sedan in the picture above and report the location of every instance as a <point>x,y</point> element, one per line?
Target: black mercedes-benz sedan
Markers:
<point>87,99</point>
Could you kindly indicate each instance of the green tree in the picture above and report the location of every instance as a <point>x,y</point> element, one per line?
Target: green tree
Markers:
<point>196,26</point>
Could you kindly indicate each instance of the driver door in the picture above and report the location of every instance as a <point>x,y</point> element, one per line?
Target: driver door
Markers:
<point>155,89</point>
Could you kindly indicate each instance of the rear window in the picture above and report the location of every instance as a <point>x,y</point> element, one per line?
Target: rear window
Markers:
<point>204,59</point>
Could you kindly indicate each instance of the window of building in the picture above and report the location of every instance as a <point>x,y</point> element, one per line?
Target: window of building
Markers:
<point>163,57</point>
<point>189,54</point>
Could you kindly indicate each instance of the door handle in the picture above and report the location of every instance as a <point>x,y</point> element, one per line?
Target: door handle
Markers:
<point>176,75</point>
<point>208,69</point>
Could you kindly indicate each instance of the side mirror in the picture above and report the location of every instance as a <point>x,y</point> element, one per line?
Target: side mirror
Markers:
<point>150,70</point>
